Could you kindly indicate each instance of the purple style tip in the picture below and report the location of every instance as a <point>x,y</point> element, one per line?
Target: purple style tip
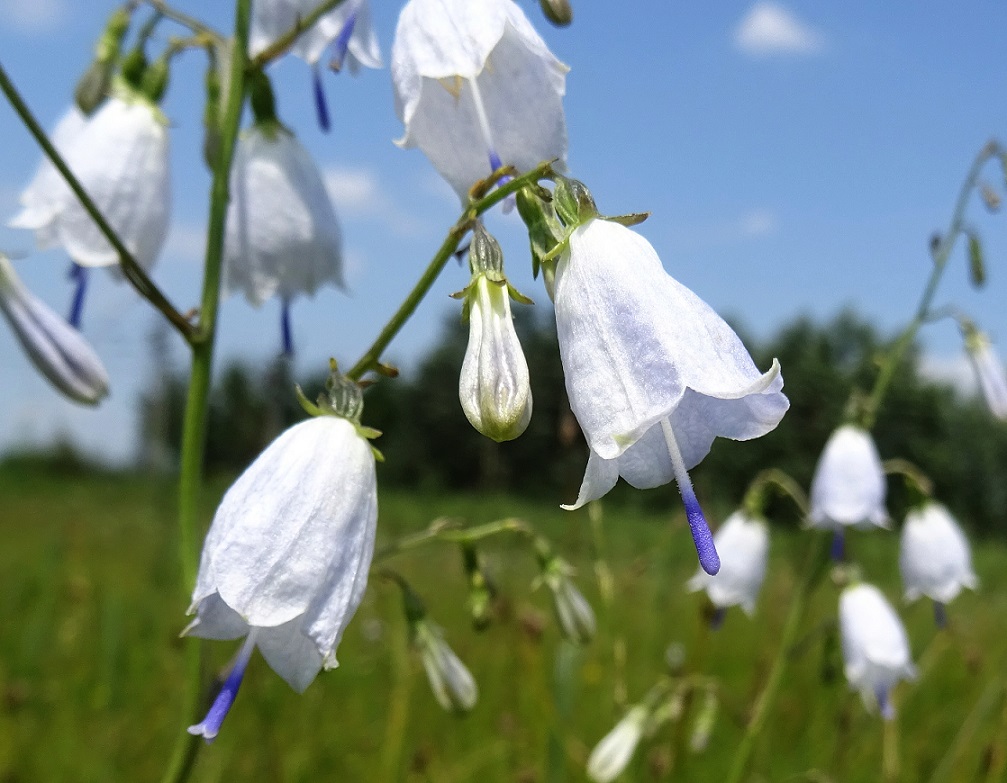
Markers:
<point>717,618</point>
<point>941,614</point>
<point>701,536</point>
<point>210,725</point>
<point>286,332</point>
<point>495,161</point>
<point>342,43</point>
<point>885,706</point>
<point>79,275</point>
<point>321,105</point>
<point>837,550</point>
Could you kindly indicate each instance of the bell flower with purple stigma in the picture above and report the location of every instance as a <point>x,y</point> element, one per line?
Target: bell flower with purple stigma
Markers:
<point>56,348</point>
<point>476,88</point>
<point>282,234</point>
<point>345,32</point>
<point>653,374</point>
<point>875,647</point>
<point>286,558</point>
<point>743,545</point>
<point>989,370</point>
<point>934,557</point>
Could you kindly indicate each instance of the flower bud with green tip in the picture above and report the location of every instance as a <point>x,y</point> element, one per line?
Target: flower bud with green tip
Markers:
<point>56,349</point>
<point>94,85</point>
<point>558,12</point>
<point>494,387</point>
<point>573,612</point>
<point>989,369</point>
<point>481,587</point>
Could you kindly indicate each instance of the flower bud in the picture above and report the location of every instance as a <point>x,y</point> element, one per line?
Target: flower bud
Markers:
<point>612,755</point>
<point>56,349</point>
<point>989,370</point>
<point>452,683</point>
<point>573,612</point>
<point>558,12</point>
<point>481,588</point>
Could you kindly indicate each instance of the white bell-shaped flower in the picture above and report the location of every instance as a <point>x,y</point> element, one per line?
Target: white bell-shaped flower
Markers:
<point>452,683</point>
<point>615,750</point>
<point>476,87</point>
<point>989,371</point>
<point>848,488</point>
<point>282,236</point>
<point>743,545</point>
<point>120,156</point>
<point>286,558</point>
<point>652,372</point>
<point>934,555</point>
<point>57,350</point>
<point>347,27</point>
<point>875,647</point>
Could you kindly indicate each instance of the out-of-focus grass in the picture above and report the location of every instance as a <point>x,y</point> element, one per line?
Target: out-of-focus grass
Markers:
<point>90,659</point>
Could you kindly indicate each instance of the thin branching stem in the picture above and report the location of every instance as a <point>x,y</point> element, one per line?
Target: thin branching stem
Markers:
<point>131,269</point>
<point>289,38</point>
<point>186,20</point>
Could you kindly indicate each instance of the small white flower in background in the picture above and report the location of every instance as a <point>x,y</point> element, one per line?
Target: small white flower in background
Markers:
<point>347,27</point>
<point>653,374</point>
<point>613,753</point>
<point>743,545</point>
<point>120,156</point>
<point>283,237</point>
<point>476,87</point>
<point>848,487</point>
<point>286,558</point>
<point>875,647</point>
<point>57,350</point>
<point>494,386</point>
<point>989,371</point>
<point>452,683</point>
<point>573,612</point>
<point>934,555</point>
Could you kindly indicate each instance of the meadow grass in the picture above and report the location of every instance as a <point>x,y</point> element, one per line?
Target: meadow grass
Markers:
<point>91,664</point>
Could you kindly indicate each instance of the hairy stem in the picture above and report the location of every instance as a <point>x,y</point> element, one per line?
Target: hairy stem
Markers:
<point>131,270</point>
<point>197,403</point>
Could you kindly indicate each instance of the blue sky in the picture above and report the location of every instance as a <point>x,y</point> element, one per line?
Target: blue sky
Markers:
<point>796,158</point>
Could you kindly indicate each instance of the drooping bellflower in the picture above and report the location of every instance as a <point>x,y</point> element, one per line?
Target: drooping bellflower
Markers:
<point>989,371</point>
<point>345,31</point>
<point>934,557</point>
<point>613,753</point>
<point>286,558</point>
<point>875,647</point>
<point>120,156</point>
<point>652,372</point>
<point>476,87</point>
<point>494,386</point>
<point>57,349</point>
<point>743,545</point>
<point>283,237</point>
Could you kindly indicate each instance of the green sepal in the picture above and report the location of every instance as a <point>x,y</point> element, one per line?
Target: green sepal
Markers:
<point>977,266</point>
<point>574,202</point>
<point>630,220</point>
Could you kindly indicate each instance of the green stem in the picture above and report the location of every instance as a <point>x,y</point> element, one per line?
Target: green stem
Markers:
<point>131,270</point>
<point>285,41</point>
<point>813,566</point>
<point>192,23</point>
<point>940,258</point>
<point>444,530</point>
<point>986,703</point>
<point>890,766</point>
<point>448,248</point>
<point>197,403</point>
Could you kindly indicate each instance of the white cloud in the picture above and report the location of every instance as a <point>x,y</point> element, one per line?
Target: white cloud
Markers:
<point>758,223</point>
<point>358,195</point>
<point>956,371</point>
<point>769,28</point>
<point>34,16</point>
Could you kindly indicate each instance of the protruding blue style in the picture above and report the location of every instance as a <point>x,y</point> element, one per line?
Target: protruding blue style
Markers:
<point>321,105</point>
<point>701,535</point>
<point>79,275</point>
<point>342,43</point>
<point>941,614</point>
<point>285,331</point>
<point>837,550</point>
<point>885,706</point>
<point>717,618</point>
<point>210,725</point>
<point>495,161</point>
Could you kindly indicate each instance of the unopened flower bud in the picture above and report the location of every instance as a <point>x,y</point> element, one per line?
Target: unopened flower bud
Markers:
<point>481,588</point>
<point>558,12</point>
<point>612,755</point>
<point>989,370</point>
<point>452,683</point>
<point>56,349</point>
<point>573,612</point>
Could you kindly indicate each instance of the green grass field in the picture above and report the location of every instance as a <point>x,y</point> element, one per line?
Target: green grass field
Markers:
<point>91,663</point>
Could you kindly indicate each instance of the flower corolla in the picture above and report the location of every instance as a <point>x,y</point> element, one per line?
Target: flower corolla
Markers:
<point>653,374</point>
<point>743,545</point>
<point>989,371</point>
<point>934,555</point>
<point>286,558</point>
<point>613,753</point>
<point>57,350</point>
<point>848,487</point>
<point>476,88</point>
<point>282,236</point>
<point>875,647</point>
<point>120,156</point>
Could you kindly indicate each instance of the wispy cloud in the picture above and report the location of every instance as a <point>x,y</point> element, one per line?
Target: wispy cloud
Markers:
<point>359,195</point>
<point>757,223</point>
<point>31,17</point>
<point>770,29</point>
